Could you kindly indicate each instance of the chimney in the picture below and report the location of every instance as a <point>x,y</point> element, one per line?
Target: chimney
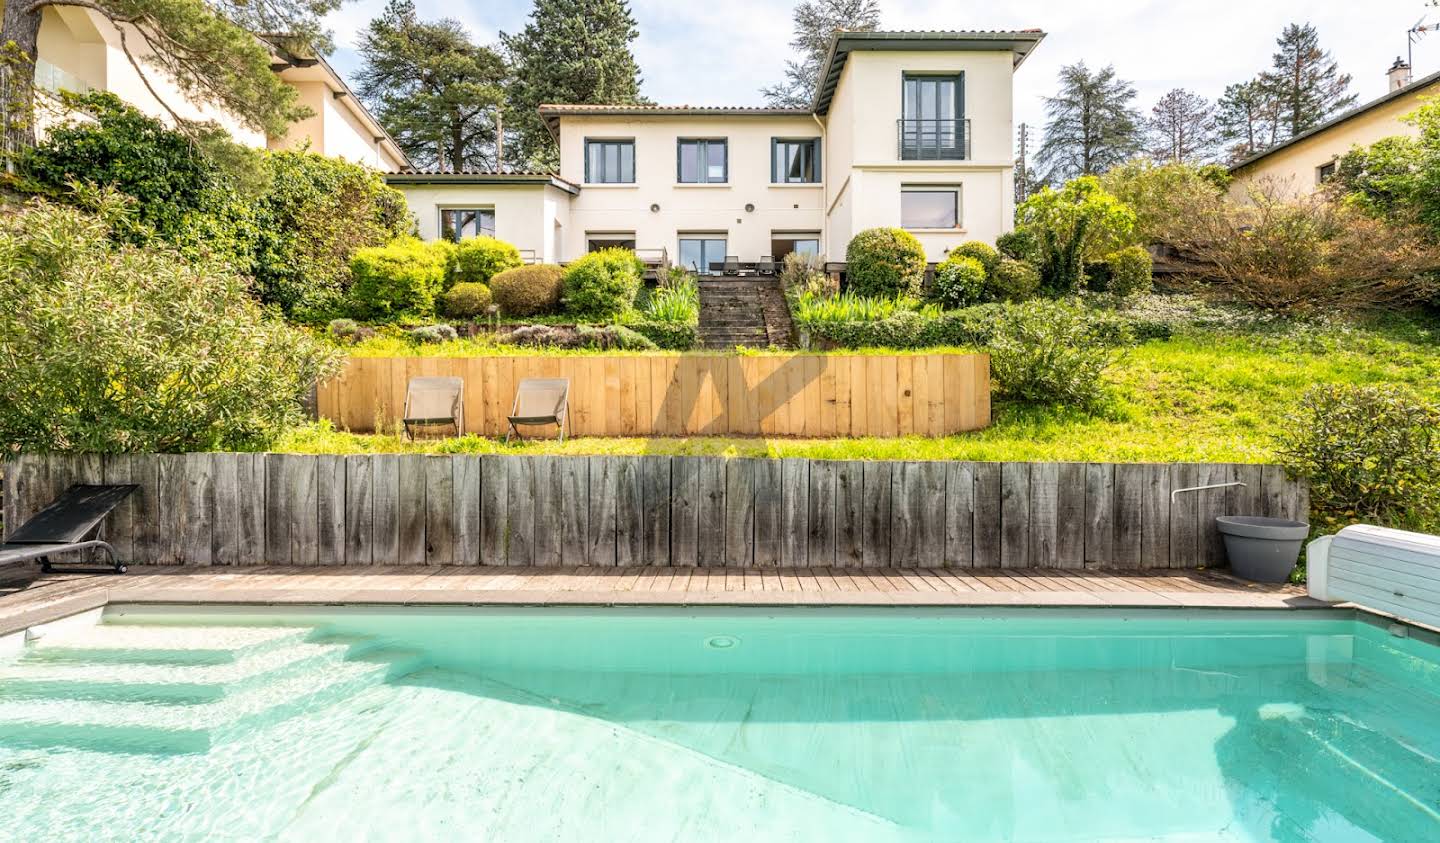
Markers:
<point>1398,74</point>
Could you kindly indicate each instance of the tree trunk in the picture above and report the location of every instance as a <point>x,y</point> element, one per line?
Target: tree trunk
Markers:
<point>19,32</point>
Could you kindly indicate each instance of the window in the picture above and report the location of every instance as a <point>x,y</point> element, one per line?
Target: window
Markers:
<point>702,254</point>
<point>783,243</point>
<point>795,161</point>
<point>1325,172</point>
<point>459,223</point>
<point>929,207</point>
<point>932,124</point>
<point>595,241</point>
<point>702,162</point>
<point>609,161</point>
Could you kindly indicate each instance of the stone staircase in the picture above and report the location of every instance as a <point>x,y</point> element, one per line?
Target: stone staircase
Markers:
<point>743,311</point>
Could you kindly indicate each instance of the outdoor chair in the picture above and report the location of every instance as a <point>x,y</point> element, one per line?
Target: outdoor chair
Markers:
<point>62,527</point>
<point>434,403</point>
<point>540,401</point>
<point>732,265</point>
<point>766,266</point>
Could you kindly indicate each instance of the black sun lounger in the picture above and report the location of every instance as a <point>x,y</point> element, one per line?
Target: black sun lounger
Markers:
<point>62,526</point>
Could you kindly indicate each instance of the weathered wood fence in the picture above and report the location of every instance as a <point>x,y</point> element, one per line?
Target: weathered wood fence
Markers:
<point>245,509</point>
<point>795,395</point>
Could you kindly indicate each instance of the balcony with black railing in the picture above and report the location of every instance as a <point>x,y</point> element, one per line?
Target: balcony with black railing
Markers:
<point>933,140</point>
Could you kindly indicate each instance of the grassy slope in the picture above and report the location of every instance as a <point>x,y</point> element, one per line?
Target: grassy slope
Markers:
<point>1205,395</point>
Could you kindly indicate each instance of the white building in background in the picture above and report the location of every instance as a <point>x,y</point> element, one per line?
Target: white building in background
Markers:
<point>80,50</point>
<point>909,129</point>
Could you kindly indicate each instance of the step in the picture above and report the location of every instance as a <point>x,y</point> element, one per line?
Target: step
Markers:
<point>129,726</point>
<point>161,644</point>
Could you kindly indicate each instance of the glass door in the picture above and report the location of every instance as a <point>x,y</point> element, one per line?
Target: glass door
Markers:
<point>930,125</point>
<point>702,255</point>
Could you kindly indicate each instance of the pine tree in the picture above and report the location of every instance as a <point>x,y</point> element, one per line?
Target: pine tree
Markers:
<point>815,24</point>
<point>434,90</point>
<point>1306,81</point>
<point>1092,125</point>
<point>570,51</point>
<point>205,47</point>
<point>1181,128</point>
<point>1247,118</point>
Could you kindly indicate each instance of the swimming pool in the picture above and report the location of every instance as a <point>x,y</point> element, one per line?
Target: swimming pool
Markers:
<point>651,724</point>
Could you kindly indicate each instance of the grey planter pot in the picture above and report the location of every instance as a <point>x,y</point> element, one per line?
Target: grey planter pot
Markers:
<point>1262,549</point>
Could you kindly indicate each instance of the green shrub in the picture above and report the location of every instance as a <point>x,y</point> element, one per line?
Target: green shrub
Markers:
<point>117,348</point>
<point>884,262</point>
<point>1077,224</point>
<point>676,300</point>
<point>960,280</point>
<point>1013,281</point>
<point>1019,244</point>
<point>1129,272</point>
<point>528,290</point>
<point>465,300</point>
<point>348,331</point>
<point>810,307</point>
<point>800,272</point>
<point>905,330</point>
<point>673,336</point>
<point>616,337</point>
<point>980,251</point>
<point>433,334</point>
<point>602,285</point>
<point>1052,352</point>
<point>1371,454</point>
<point>396,281</point>
<point>479,259</point>
<point>1164,197</point>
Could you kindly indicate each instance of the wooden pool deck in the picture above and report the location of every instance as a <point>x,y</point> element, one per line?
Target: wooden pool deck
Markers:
<point>27,597</point>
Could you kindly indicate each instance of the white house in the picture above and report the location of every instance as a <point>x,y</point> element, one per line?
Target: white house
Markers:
<point>81,50</point>
<point>910,129</point>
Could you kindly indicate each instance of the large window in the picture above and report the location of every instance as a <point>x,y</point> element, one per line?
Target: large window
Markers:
<point>702,162</point>
<point>783,243</point>
<point>595,241</point>
<point>931,119</point>
<point>929,206</point>
<point>795,161</point>
<point>702,254</point>
<point>609,161</point>
<point>459,223</point>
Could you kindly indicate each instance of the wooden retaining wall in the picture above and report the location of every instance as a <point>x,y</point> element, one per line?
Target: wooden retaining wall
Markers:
<point>797,395</point>
<point>245,509</point>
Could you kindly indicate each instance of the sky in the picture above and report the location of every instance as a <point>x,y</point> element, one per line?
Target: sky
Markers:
<point>701,52</point>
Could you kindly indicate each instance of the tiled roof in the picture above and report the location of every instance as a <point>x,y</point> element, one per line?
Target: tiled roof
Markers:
<point>472,171</point>
<point>552,112</point>
<point>480,175</point>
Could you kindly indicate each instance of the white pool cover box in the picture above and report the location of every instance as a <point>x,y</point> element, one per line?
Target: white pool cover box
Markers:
<point>1391,571</point>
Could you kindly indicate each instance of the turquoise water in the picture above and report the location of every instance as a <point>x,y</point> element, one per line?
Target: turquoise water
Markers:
<point>639,725</point>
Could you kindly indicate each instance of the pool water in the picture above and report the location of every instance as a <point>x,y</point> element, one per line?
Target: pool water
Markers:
<point>639,725</point>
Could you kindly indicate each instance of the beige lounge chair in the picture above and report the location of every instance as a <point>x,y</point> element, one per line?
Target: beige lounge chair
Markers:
<point>540,401</point>
<point>434,402</point>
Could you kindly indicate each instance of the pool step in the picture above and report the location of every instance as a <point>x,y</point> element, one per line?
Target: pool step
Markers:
<point>161,644</point>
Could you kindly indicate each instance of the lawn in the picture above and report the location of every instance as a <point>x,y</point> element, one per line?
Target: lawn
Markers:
<point>1205,394</point>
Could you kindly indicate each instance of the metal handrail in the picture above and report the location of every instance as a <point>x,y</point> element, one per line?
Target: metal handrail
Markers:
<point>1203,488</point>
<point>932,139</point>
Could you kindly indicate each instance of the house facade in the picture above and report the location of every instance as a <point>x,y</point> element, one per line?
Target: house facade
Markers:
<point>1301,164</point>
<point>80,50</point>
<point>907,129</point>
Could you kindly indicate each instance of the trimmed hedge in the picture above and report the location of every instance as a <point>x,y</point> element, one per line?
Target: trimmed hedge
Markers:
<point>465,300</point>
<point>397,280</point>
<point>479,259</point>
<point>960,280</point>
<point>528,290</point>
<point>884,262</point>
<point>980,251</point>
<point>602,285</point>
<point>673,336</point>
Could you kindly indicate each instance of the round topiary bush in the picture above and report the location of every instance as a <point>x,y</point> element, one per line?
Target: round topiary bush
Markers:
<point>1013,280</point>
<point>528,290</point>
<point>884,262</point>
<point>603,285</point>
<point>1019,244</point>
<point>980,251</point>
<point>396,280</point>
<point>1130,272</point>
<point>479,259</point>
<point>465,300</point>
<point>960,281</point>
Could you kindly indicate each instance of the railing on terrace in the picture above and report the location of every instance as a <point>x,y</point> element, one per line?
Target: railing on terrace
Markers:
<point>933,140</point>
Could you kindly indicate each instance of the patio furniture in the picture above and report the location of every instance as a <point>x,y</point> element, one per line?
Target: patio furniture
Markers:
<point>766,266</point>
<point>732,265</point>
<point>62,527</point>
<point>434,403</point>
<point>540,401</point>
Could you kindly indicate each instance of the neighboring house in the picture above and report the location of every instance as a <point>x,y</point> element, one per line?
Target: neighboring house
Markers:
<point>910,129</point>
<point>1301,164</point>
<point>79,50</point>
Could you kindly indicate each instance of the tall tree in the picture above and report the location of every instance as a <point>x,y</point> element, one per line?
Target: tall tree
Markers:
<point>1091,124</point>
<point>1181,128</point>
<point>438,93</point>
<point>815,23</point>
<point>570,51</point>
<point>1247,118</point>
<point>1306,80</point>
<point>206,47</point>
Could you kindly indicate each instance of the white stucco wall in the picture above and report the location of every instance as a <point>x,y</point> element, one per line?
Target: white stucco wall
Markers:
<point>527,215</point>
<point>687,208</point>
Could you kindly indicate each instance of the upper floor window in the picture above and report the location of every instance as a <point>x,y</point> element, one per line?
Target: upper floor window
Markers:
<point>702,161</point>
<point>458,223</point>
<point>795,161</point>
<point>609,161</point>
<point>932,124</point>
<point>1325,172</point>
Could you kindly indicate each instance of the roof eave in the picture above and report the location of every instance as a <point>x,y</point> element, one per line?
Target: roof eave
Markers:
<point>510,179</point>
